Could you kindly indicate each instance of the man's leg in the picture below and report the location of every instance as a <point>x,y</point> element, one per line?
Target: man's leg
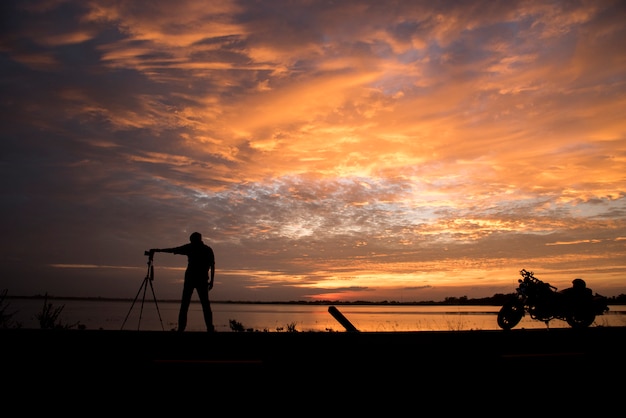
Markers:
<point>184,306</point>
<point>203,295</point>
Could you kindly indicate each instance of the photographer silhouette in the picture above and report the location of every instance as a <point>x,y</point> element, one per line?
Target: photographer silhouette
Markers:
<point>199,276</point>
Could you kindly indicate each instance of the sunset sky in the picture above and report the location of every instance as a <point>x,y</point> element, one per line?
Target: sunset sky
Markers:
<point>336,150</point>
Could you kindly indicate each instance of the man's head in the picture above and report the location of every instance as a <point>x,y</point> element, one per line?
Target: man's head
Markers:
<point>195,237</point>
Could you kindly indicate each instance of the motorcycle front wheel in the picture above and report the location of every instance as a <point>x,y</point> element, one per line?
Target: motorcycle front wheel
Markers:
<point>580,319</point>
<point>509,315</point>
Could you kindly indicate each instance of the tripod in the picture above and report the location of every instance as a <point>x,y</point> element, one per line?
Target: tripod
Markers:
<point>144,285</point>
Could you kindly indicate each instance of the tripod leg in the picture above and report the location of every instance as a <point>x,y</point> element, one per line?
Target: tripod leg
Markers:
<point>133,304</point>
<point>156,304</point>
<point>143,300</point>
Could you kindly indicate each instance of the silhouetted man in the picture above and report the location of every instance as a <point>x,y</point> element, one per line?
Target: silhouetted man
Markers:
<point>579,295</point>
<point>199,275</point>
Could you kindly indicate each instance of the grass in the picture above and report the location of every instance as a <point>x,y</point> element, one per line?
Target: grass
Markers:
<point>6,316</point>
<point>48,317</point>
<point>237,326</point>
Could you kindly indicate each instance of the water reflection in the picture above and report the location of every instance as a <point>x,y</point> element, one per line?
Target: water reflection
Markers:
<point>110,315</point>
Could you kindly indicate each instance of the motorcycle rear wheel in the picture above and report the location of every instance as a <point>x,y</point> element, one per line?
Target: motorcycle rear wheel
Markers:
<point>580,320</point>
<point>509,315</point>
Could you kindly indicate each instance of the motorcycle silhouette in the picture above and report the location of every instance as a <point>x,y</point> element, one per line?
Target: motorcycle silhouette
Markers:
<point>577,305</point>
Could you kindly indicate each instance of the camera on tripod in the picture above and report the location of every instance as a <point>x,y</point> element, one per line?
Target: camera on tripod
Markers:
<point>144,286</point>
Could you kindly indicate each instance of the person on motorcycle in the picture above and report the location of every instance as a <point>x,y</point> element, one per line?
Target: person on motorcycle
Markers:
<point>579,294</point>
<point>580,287</point>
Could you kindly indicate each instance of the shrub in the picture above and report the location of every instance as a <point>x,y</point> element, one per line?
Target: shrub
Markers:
<point>236,325</point>
<point>6,317</point>
<point>49,317</point>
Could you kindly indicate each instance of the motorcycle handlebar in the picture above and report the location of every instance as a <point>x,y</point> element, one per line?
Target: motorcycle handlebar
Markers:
<point>529,276</point>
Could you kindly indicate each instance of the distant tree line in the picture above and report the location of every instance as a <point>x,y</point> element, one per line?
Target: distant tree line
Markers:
<point>497,299</point>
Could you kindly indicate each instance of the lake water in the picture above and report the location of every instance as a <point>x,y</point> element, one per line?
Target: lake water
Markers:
<point>116,315</point>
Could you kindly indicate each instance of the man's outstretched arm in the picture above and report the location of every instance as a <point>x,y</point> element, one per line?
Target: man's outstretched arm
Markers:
<point>163,250</point>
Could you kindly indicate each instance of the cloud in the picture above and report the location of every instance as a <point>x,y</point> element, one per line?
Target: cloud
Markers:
<point>346,149</point>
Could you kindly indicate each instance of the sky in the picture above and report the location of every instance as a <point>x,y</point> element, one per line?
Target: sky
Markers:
<point>326,150</point>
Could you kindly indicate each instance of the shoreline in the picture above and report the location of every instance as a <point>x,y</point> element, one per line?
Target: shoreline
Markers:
<point>403,370</point>
<point>274,348</point>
